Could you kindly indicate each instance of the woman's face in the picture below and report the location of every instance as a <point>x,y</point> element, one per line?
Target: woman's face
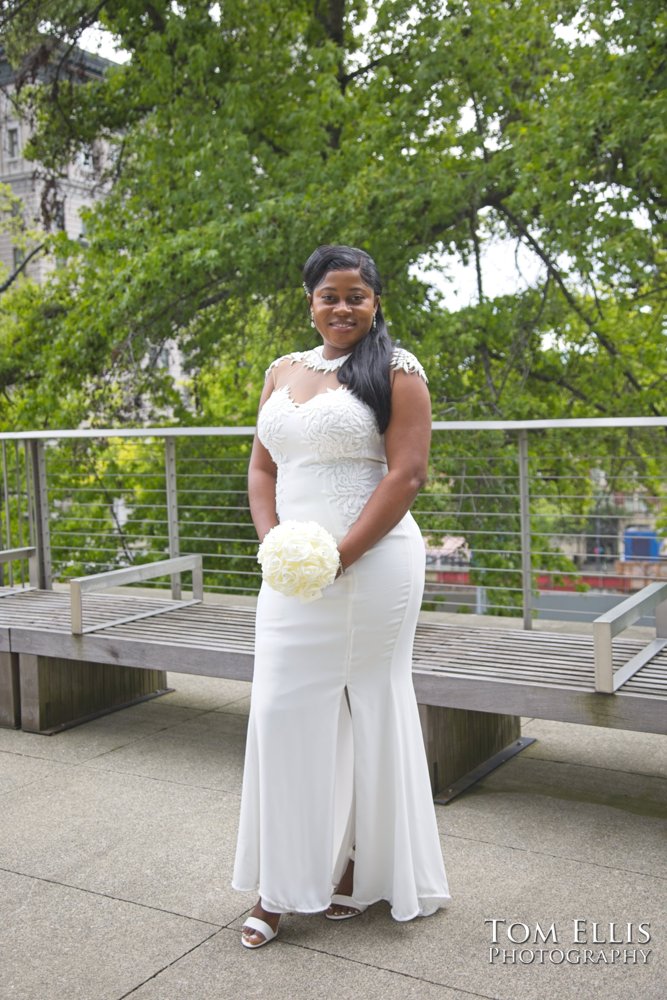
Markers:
<point>342,307</point>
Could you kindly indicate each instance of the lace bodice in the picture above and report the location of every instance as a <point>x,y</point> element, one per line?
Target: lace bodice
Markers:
<point>328,450</point>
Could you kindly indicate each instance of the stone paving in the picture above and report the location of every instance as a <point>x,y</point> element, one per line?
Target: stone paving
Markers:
<point>116,848</point>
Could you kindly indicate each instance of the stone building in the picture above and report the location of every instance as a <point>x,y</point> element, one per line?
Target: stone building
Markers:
<point>77,187</point>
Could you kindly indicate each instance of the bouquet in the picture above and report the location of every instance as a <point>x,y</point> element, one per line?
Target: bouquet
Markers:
<point>298,559</point>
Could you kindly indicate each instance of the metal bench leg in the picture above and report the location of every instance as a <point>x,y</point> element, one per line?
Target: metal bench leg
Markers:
<point>463,746</point>
<point>57,693</point>
<point>10,698</point>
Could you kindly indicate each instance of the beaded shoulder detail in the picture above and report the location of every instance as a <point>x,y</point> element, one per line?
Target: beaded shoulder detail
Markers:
<point>403,360</point>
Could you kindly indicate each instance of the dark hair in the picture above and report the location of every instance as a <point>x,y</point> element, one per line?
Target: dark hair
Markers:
<point>366,371</point>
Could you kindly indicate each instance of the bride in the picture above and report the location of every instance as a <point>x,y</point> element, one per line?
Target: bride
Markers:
<point>336,790</point>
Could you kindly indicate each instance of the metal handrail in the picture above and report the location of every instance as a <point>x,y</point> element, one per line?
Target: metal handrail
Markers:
<point>619,618</point>
<point>453,425</point>
<point>12,555</point>
<point>28,552</point>
<point>134,574</point>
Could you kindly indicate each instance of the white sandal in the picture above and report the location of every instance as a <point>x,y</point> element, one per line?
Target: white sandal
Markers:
<point>256,924</point>
<point>349,903</point>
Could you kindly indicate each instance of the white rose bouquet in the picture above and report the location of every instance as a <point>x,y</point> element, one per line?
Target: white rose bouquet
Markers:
<point>298,559</point>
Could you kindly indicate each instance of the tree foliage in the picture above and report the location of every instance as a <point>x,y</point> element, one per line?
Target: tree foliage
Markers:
<point>242,135</point>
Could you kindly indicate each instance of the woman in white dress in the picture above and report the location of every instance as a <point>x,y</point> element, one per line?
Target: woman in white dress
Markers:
<point>336,790</point>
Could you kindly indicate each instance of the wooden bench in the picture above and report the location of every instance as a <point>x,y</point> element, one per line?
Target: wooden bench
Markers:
<point>54,691</point>
<point>472,683</point>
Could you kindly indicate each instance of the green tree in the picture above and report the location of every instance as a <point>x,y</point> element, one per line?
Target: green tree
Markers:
<point>421,131</point>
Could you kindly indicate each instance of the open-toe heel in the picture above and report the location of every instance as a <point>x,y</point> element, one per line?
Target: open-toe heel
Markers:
<point>348,903</point>
<point>261,926</point>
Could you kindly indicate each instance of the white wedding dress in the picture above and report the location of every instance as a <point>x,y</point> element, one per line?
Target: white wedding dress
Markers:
<point>335,757</point>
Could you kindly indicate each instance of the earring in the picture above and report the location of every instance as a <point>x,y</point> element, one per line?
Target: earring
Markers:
<point>312,322</point>
<point>375,322</point>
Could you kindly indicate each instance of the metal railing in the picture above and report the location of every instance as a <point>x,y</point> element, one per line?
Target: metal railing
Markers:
<point>135,574</point>
<point>526,518</point>
<point>654,596</point>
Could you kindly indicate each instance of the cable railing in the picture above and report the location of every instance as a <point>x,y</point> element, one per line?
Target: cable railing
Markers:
<point>548,519</point>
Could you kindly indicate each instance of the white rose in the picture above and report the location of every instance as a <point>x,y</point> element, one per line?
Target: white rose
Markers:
<point>298,559</point>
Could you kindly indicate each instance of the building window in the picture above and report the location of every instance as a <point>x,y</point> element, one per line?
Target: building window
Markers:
<point>87,159</point>
<point>13,143</point>
<point>59,215</point>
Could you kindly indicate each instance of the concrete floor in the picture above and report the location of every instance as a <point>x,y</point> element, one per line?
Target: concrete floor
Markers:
<point>117,841</point>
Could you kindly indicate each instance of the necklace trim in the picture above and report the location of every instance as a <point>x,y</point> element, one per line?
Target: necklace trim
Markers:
<point>310,359</point>
<point>314,360</point>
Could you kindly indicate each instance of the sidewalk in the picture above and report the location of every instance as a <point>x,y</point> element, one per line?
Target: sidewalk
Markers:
<point>117,841</point>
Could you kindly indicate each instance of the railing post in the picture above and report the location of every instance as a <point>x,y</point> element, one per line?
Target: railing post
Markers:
<point>172,510</point>
<point>603,657</point>
<point>40,537</point>
<point>524,517</point>
<point>6,542</point>
<point>661,620</point>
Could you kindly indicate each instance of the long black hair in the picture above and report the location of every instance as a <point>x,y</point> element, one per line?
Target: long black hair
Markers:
<point>366,371</point>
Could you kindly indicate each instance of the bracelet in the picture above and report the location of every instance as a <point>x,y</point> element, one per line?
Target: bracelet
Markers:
<point>341,568</point>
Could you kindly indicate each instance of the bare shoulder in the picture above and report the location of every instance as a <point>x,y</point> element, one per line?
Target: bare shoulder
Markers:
<point>410,398</point>
<point>408,378</point>
<point>408,433</point>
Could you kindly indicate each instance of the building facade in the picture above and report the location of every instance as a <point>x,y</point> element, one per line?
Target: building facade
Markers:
<point>77,187</point>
